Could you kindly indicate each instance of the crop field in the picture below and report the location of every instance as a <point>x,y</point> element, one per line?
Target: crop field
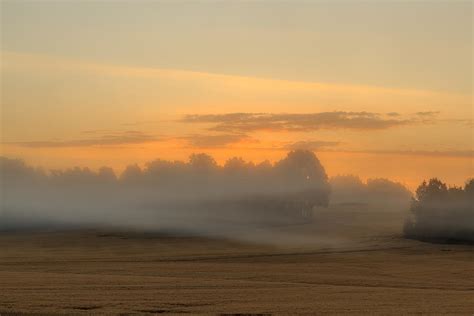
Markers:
<point>117,272</point>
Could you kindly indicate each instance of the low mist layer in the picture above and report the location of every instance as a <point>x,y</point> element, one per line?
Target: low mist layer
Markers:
<point>197,196</point>
<point>234,200</point>
<point>387,194</point>
<point>442,214</point>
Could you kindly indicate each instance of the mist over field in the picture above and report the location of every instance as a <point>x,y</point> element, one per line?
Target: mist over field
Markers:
<point>391,196</point>
<point>441,213</point>
<point>198,197</point>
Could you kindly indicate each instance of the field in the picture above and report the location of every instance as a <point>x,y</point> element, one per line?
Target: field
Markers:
<point>353,270</point>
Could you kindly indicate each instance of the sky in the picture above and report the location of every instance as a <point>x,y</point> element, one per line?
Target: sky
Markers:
<point>375,88</point>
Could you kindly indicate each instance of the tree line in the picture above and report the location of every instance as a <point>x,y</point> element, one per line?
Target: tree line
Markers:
<point>442,213</point>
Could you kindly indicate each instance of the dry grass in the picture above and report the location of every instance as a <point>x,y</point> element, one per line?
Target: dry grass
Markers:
<point>91,272</point>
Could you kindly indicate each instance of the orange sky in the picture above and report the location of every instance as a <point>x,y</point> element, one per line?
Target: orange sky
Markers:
<point>378,90</point>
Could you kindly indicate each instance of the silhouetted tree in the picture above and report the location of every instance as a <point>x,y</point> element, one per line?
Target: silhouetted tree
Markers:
<point>291,186</point>
<point>202,163</point>
<point>440,213</point>
<point>351,189</point>
<point>131,175</point>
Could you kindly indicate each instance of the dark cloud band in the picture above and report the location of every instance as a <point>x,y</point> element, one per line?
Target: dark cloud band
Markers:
<point>248,122</point>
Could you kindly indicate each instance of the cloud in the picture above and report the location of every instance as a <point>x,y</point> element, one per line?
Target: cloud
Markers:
<point>437,153</point>
<point>311,145</point>
<point>432,153</point>
<point>35,62</point>
<point>208,141</point>
<point>110,139</point>
<point>465,122</point>
<point>427,116</point>
<point>427,113</point>
<point>248,122</point>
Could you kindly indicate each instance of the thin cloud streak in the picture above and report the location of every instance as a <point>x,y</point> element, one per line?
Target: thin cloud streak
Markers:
<point>430,153</point>
<point>311,145</point>
<point>21,60</point>
<point>249,122</point>
<point>214,141</point>
<point>124,138</point>
<point>428,113</point>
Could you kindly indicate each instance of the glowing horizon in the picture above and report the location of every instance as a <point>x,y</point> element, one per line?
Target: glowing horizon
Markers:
<point>387,98</point>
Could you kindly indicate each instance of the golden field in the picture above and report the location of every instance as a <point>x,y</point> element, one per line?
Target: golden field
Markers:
<point>362,271</point>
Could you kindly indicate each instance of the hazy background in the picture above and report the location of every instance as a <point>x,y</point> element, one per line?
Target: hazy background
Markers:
<point>238,200</point>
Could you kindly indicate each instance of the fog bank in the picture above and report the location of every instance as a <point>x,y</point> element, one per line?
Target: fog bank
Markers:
<point>387,194</point>
<point>238,200</point>
<point>442,214</point>
<point>197,196</point>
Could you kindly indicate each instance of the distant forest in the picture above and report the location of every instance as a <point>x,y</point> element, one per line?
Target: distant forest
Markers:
<point>178,191</point>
